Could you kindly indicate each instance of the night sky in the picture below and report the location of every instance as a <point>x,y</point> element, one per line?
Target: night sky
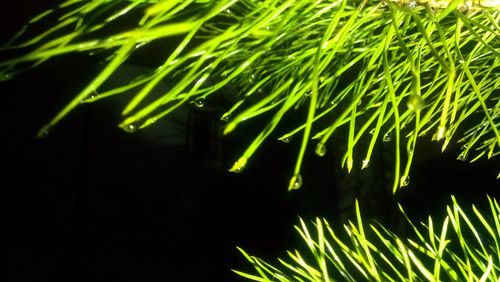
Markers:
<point>90,202</point>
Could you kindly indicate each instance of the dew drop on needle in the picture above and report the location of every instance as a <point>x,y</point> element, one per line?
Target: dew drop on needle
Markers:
<point>295,182</point>
<point>415,102</point>
<point>405,181</point>
<point>239,165</point>
<point>387,137</point>
<point>4,76</point>
<point>285,140</point>
<point>365,164</point>
<point>320,149</point>
<point>131,128</point>
<point>462,156</point>
<point>199,102</point>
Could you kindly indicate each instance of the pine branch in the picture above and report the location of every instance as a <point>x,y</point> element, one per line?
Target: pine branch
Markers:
<point>462,247</point>
<point>385,70</point>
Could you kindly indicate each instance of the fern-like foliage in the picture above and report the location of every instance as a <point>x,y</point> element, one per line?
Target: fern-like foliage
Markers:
<point>463,247</point>
<point>384,70</point>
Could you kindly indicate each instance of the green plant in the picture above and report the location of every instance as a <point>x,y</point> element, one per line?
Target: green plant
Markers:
<point>463,247</point>
<point>385,70</point>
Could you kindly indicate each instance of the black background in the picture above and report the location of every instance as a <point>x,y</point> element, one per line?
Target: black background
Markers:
<point>93,203</point>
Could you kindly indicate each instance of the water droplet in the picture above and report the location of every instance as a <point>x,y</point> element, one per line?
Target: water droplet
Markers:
<point>229,11</point>
<point>366,163</point>
<point>239,165</point>
<point>322,78</point>
<point>44,132</point>
<point>4,76</point>
<point>130,128</point>
<point>295,182</point>
<point>415,102</point>
<point>320,149</point>
<point>285,139</point>
<point>199,102</point>
<point>291,57</point>
<point>90,98</point>
<point>252,79</point>
<point>387,137</point>
<point>308,94</point>
<point>359,102</point>
<point>405,181</point>
<point>462,156</point>
<point>226,117</point>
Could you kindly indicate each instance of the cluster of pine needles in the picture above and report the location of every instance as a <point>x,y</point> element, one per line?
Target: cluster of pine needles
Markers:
<point>460,248</point>
<point>384,70</point>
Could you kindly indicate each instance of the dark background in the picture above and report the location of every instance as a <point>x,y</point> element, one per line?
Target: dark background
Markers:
<point>92,203</point>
